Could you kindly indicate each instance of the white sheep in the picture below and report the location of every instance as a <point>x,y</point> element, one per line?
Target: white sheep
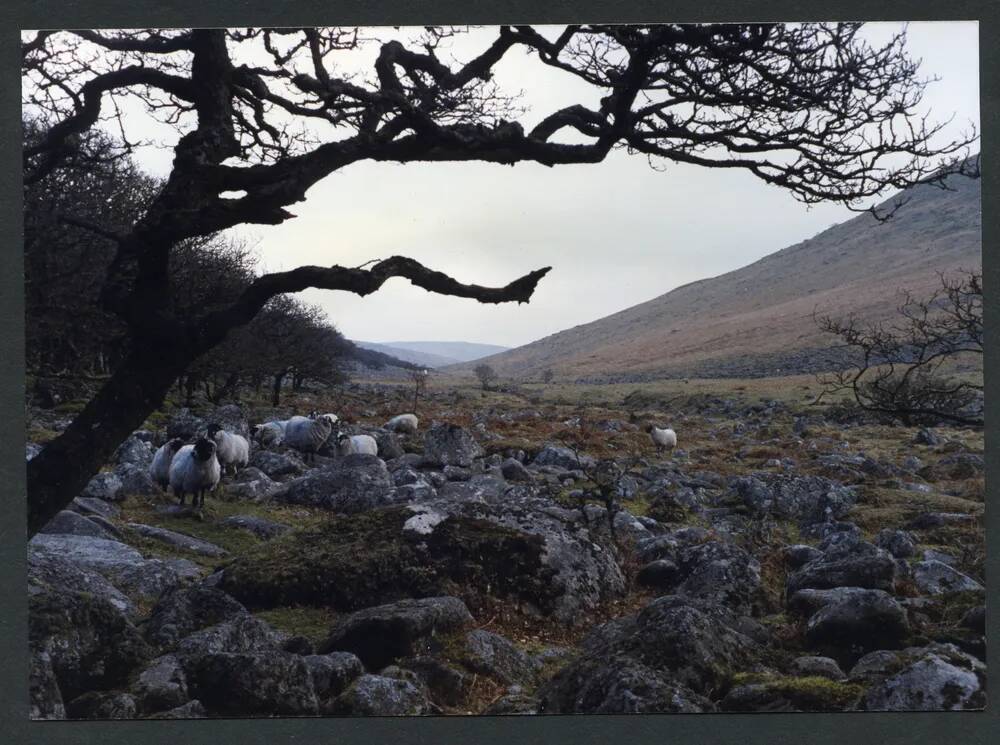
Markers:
<point>269,434</point>
<point>356,444</point>
<point>308,435</point>
<point>195,470</point>
<point>664,439</point>
<point>232,449</point>
<point>405,423</point>
<point>159,469</point>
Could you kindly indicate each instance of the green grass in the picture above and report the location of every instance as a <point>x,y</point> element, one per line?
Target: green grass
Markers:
<point>312,623</point>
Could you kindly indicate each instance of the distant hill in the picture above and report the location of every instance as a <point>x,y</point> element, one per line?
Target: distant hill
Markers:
<point>434,354</point>
<point>758,320</point>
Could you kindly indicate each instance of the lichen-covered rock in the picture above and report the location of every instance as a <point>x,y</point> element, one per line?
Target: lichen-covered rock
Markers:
<point>333,672</point>
<point>91,644</point>
<point>875,571</point>
<point>450,445</point>
<point>102,705</point>
<point>161,686</point>
<point>179,540</point>
<point>384,633</point>
<point>865,620</point>
<point>44,699</point>
<point>105,485</point>
<point>722,573</point>
<point>185,425</point>
<point>186,610</point>
<point>937,578</point>
<point>523,550</point>
<point>149,579</point>
<point>231,418</point>
<point>276,464</point>
<point>495,655</point>
<point>808,499</point>
<point>73,523</point>
<point>191,710</point>
<point>261,683</point>
<point>354,483</point>
<point>899,543</point>
<point>685,642</point>
<point>815,666</point>
<point>562,457</point>
<point>799,555</point>
<point>241,633</point>
<point>93,506</point>
<point>618,685</point>
<point>53,573</point>
<point>514,470</point>
<point>135,451</point>
<point>376,695</point>
<point>253,485</point>
<point>135,480</point>
<point>934,678</point>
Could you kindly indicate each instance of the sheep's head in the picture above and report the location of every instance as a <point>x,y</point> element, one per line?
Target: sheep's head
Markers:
<point>213,428</point>
<point>332,418</point>
<point>175,444</point>
<point>204,449</point>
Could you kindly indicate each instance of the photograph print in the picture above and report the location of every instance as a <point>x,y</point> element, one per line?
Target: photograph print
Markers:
<point>461,371</point>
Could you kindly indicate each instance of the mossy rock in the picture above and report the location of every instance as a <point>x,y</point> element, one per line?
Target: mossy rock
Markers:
<point>756,692</point>
<point>357,561</point>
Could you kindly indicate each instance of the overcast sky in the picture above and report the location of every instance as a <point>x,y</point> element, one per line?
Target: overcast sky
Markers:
<point>616,233</point>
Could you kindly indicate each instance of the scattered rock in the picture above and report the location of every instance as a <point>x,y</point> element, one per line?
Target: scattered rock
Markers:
<point>276,464</point>
<point>450,445</point>
<point>937,578</point>
<point>926,436</point>
<point>865,620</point>
<point>494,655</point>
<point>93,506</point>
<point>935,678</point>
<point>375,695</point>
<point>179,540</point>
<point>823,667</point>
<point>333,672</point>
<point>102,705</point>
<point>660,574</point>
<point>73,523</point>
<point>940,519</point>
<point>899,543</point>
<point>354,483</point>
<point>808,499</point>
<point>514,470</point>
<point>875,571</point>
<point>562,457</point>
<point>186,610</point>
<point>106,486</point>
<point>263,682</point>
<point>384,633</point>
<point>44,699</point>
<point>161,686</point>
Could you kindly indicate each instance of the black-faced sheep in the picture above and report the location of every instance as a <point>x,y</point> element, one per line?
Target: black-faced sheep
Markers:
<point>159,469</point>
<point>195,470</point>
<point>269,434</point>
<point>308,435</point>
<point>664,439</point>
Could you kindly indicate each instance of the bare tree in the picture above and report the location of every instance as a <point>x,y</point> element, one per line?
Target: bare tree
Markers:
<point>812,108</point>
<point>485,374</point>
<point>419,378</point>
<point>900,366</point>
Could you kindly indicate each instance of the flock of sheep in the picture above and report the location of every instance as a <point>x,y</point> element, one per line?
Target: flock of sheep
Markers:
<point>197,468</point>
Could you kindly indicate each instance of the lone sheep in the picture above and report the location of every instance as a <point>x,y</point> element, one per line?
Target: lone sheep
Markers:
<point>664,439</point>
<point>195,470</point>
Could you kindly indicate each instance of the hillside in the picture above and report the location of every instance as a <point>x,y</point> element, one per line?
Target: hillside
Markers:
<point>758,320</point>
<point>434,354</point>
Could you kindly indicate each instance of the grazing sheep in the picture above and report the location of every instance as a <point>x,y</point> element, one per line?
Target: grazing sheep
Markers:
<point>269,434</point>
<point>308,435</point>
<point>355,444</point>
<point>159,469</point>
<point>195,470</point>
<point>233,450</point>
<point>405,423</point>
<point>664,439</point>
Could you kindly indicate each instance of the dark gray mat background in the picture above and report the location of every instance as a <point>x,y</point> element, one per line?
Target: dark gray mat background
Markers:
<point>967,728</point>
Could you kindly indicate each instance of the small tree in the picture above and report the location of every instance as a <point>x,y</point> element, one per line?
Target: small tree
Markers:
<point>548,375</point>
<point>486,375</point>
<point>898,369</point>
<point>419,378</point>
